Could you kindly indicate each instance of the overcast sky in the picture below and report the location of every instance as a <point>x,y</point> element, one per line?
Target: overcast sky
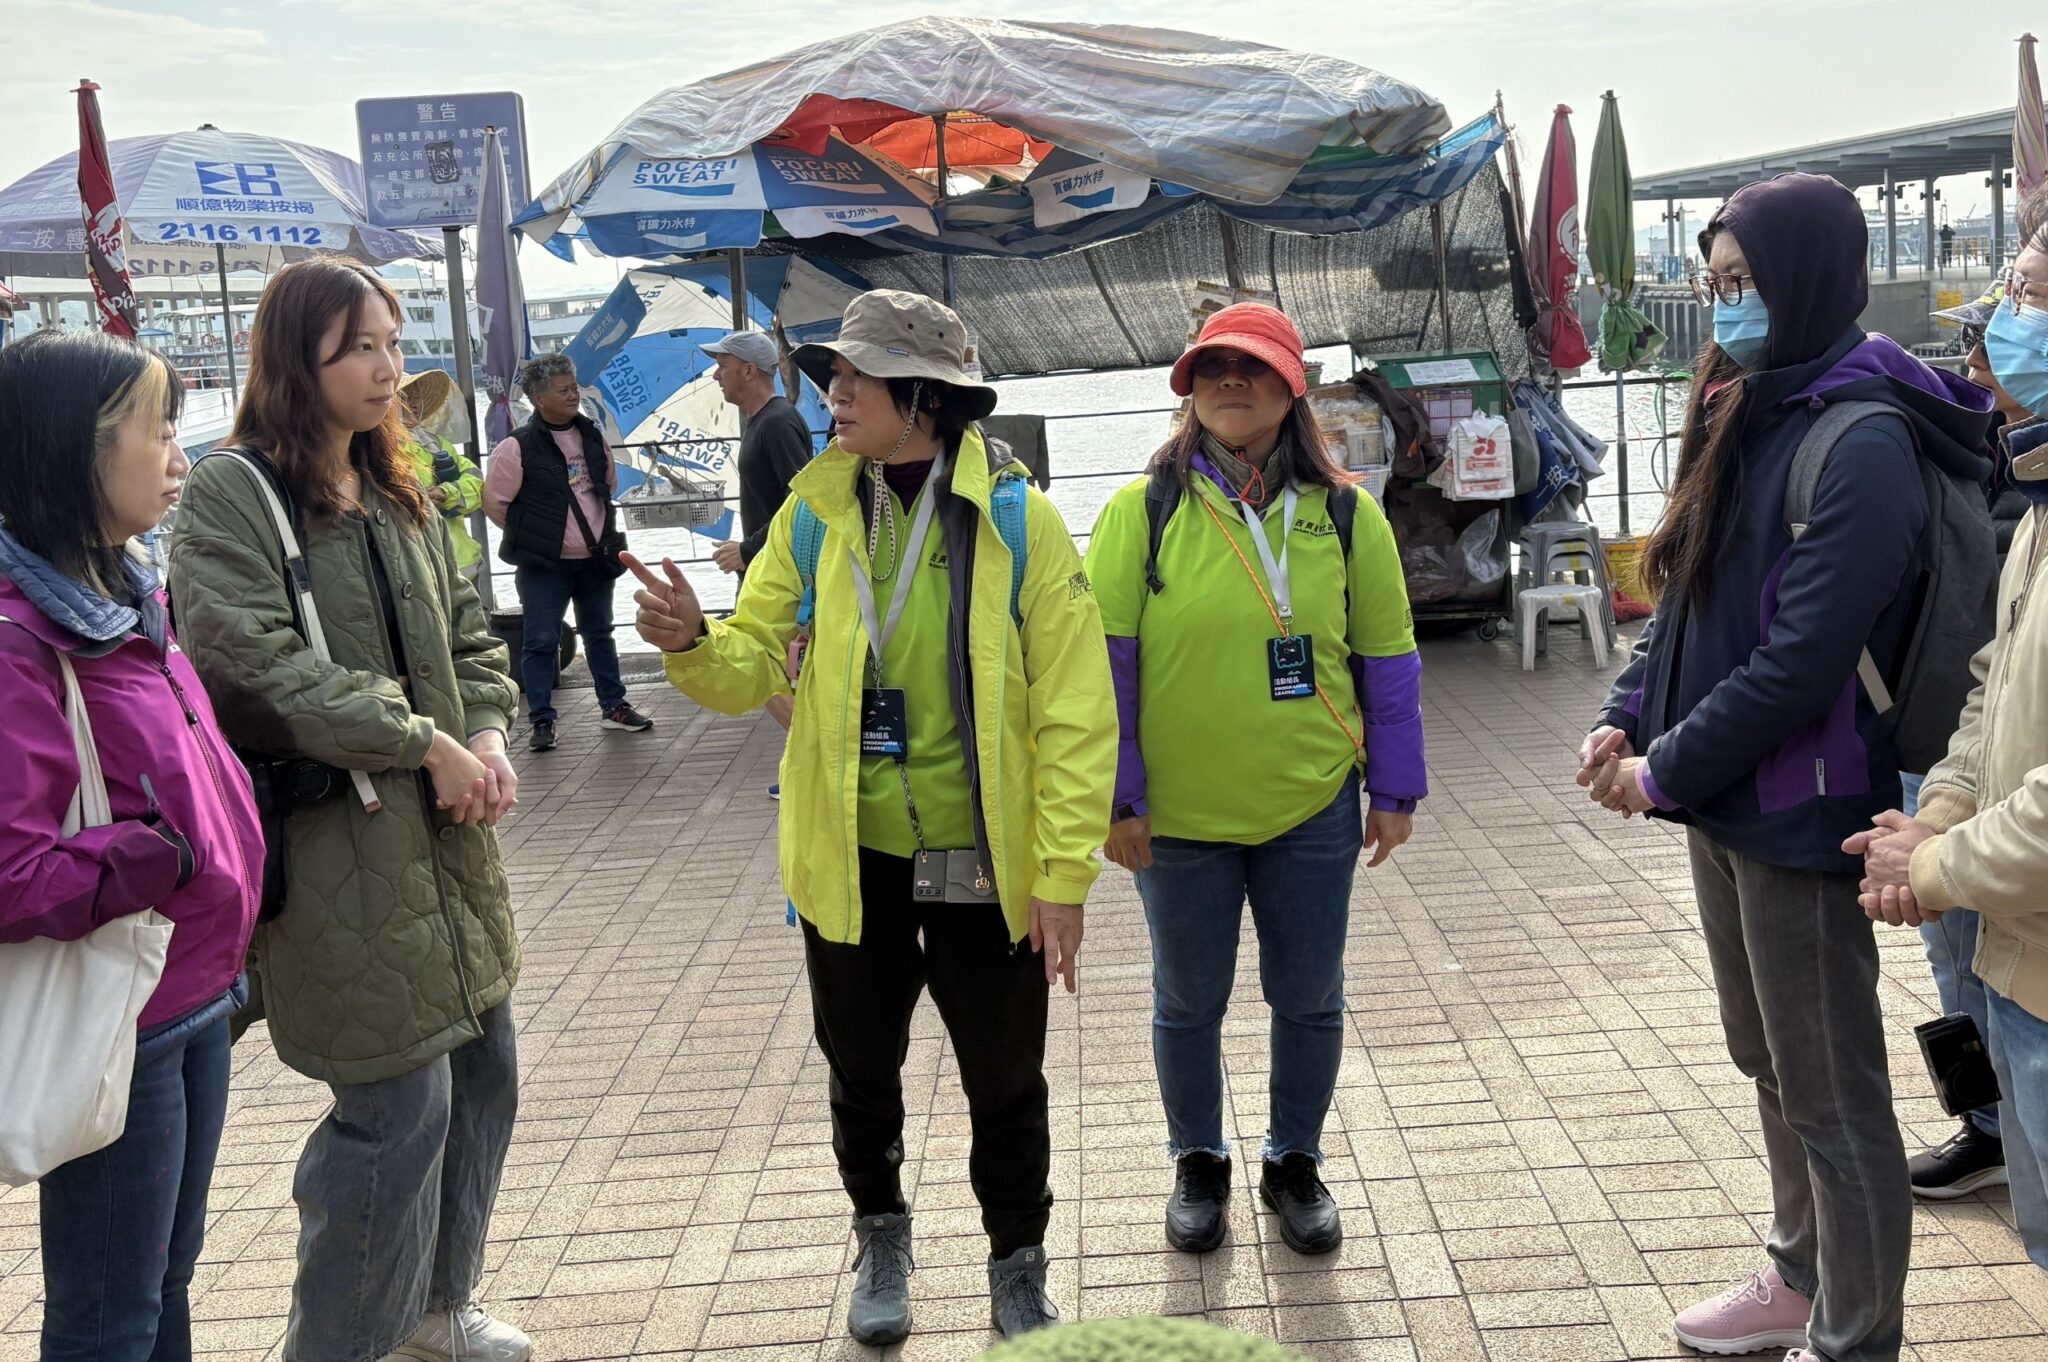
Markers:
<point>1698,81</point>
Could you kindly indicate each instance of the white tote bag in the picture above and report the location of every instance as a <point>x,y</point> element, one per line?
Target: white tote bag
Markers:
<point>68,1008</point>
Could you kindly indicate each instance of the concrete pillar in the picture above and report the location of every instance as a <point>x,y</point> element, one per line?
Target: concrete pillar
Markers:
<point>1997,183</point>
<point>1930,244</point>
<point>1891,227</point>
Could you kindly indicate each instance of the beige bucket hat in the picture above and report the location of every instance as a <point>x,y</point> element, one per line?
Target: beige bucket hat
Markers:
<point>425,393</point>
<point>888,333</point>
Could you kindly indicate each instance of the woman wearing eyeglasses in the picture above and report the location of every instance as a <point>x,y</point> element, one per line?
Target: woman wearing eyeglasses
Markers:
<point>1742,716</point>
<point>1263,655</point>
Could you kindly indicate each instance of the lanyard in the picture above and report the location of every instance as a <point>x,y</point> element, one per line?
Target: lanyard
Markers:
<point>1276,572</point>
<point>880,631</point>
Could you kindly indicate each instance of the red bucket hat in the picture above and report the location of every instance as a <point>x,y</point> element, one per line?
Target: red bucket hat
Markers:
<point>1255,329</point>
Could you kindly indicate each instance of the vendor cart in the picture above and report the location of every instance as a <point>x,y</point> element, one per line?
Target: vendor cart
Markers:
<point>1455,554</point>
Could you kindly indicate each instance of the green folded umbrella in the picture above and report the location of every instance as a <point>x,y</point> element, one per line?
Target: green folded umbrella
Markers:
<point>1627,339</point>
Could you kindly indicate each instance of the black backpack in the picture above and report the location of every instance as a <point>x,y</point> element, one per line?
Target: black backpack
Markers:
<point>1162,498</point>
<point>1955,593</point>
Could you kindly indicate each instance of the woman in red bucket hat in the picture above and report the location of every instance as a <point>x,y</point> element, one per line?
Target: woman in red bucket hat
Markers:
<point>1265,599</point>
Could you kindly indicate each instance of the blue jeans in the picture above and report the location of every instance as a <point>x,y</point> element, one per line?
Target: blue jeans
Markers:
<point>545,595</point>
<point>1951,944</point>
<point>122,1227</point>
<point>1299,885</point>
<point>2019,1052</point>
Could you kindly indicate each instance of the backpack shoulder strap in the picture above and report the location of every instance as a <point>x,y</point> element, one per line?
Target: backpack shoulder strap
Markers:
<point>298,578</point>
<point>1162,499</point>
<point>1811,458</point>
<point>1006,505</point>
<point>1808,462</point>
<point>1343,511</point>
<point>806,542</point>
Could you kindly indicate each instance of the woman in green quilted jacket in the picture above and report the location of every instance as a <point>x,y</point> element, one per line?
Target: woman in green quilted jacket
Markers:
<point>387,968</point>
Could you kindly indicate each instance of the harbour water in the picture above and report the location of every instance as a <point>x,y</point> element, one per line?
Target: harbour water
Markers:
<point>1093,454</point>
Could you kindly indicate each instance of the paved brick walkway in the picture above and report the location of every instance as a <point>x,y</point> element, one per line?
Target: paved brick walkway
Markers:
<point>1538,1142</point>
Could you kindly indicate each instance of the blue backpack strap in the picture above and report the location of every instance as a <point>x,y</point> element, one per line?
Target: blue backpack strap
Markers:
<point>1006,506</point>
<point>806,542</point>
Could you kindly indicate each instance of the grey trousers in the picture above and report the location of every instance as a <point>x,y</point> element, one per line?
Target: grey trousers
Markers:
<point>1795,964</point>
<point>395,1190</point>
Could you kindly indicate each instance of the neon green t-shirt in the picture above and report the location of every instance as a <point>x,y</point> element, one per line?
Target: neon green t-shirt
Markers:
<point>1224,761</point>
<point>916,662</point>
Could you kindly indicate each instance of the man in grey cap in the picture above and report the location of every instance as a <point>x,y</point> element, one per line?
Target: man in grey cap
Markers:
<point>774,444</point>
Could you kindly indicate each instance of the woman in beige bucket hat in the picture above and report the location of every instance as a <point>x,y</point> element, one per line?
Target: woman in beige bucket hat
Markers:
<point>947,778</point>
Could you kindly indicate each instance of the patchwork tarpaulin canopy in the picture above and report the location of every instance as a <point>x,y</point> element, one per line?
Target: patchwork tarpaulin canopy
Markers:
<point>1231,119</point>
<point>1365,274</point>
<point>1082,203</point>
<point>639,357</point>
<point>1148,164</point>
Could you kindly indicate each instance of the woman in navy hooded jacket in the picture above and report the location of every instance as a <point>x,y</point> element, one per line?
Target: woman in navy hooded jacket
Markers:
<point>1741,717</point>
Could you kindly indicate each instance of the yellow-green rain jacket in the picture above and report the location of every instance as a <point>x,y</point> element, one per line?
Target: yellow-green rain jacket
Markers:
<point>1044,711</point>
<point>467,497</point>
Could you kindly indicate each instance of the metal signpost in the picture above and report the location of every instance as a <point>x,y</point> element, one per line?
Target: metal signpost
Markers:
<point>423,167</point>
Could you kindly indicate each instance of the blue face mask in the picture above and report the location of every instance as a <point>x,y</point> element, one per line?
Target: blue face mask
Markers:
<point>1742,329</point>
<point>2016,343</point>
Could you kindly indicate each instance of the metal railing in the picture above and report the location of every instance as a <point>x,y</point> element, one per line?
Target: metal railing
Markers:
<point>1658,443</point>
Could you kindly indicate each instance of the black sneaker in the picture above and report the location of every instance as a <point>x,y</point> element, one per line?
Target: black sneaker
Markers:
<point>1294,1191</point>
<point>1968,1161</point>
<point>1197,1216</point>
<point>543,739</point>
<point>626,718</point>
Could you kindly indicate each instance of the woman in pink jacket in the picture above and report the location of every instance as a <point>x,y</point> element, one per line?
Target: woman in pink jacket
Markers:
<point>89,460</point>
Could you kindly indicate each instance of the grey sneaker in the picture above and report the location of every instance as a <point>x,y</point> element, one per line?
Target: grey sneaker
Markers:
<point>880,1312</point>
<point>1017,1302</point>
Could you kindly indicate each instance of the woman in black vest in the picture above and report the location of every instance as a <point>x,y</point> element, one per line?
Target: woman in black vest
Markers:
<point>549,487</point>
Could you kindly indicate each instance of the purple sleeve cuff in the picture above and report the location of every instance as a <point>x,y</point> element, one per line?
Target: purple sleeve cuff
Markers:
<point>1389,804</point>
<point>1130,763</point>
<point>1650,790</point>
<point>1390,699</point>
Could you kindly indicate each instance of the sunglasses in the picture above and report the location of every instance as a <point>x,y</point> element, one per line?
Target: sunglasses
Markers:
<point>1211,365</point>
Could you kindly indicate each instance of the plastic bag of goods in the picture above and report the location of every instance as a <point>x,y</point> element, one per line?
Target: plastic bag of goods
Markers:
<point>1481,460</point>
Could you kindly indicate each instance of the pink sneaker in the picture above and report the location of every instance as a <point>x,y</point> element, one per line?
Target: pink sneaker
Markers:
<point>1760,1313</point>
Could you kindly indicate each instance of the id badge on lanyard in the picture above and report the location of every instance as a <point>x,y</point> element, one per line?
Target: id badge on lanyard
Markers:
<point>1290,657</point>
<point>884,710</point>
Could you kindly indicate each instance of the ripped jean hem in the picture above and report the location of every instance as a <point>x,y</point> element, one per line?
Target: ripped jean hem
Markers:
<point>1178,1152</point>
<point>1272,1153</point>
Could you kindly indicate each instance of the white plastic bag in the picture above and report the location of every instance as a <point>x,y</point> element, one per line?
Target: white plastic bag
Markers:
<point>1481,459</point>
<point>68,1009</point>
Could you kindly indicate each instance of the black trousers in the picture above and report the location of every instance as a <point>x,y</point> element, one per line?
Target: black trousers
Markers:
<point>992,997</point>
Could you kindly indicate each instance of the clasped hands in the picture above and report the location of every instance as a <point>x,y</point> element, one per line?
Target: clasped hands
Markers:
<point>1611,773</point>
<point>1887,852</point>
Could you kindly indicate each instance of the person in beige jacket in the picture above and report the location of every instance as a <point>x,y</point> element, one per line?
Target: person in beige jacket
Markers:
<point>1980,839</point>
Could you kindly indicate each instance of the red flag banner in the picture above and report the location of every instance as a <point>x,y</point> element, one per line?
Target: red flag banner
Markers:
<point>105,233</point>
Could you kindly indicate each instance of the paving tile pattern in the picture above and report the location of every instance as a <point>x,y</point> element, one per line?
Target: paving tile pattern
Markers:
<point>1538,1142</point>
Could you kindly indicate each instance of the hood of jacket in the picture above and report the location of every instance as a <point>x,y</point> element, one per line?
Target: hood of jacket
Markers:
<point>1808,252</point>
<point>1951,416</point>
<point>89,621</point>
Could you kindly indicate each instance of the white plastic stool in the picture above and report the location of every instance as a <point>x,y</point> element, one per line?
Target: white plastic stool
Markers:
<point>1533,608</point>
